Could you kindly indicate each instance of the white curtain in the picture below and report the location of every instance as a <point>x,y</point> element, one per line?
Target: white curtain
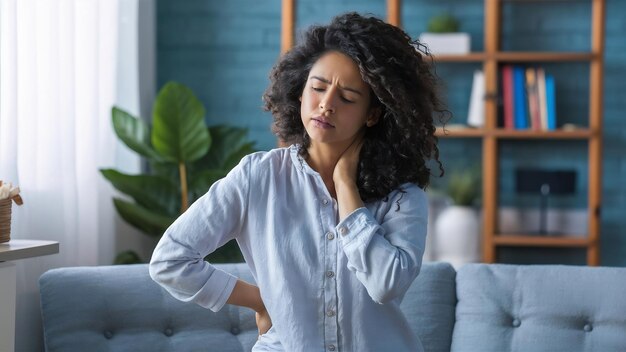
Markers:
<point>60,74</point>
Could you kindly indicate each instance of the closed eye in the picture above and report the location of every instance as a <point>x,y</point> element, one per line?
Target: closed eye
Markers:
<point>346,100</point>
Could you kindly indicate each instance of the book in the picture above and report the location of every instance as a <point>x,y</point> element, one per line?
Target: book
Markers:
<point>476,111</point>
<point>521,120</point>
<point>533,99</point>
<point>551,102</point>
<point>541,90</point>
<point>508,96</point>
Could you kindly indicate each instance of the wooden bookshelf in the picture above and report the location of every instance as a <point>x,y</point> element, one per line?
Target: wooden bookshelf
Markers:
<point>491,58</point>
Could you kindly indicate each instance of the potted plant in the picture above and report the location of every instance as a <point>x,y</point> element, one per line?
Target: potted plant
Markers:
<point>443,36</point>
<point>185,158</point>
<point>457,228</point>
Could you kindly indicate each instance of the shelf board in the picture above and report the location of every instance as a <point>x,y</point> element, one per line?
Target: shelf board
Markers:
<point>557,134</point>
<point>519,56</point>
<point>467,132</point>
<point>540,241</point>
<point>471,57</point>
<point>460,132</point>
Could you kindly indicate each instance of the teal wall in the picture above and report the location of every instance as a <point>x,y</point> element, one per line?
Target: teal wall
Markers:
<point>224,50</point>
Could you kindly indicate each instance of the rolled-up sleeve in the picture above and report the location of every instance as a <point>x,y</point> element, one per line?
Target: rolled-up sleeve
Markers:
<point>386,256</point>
<point>178,262</point>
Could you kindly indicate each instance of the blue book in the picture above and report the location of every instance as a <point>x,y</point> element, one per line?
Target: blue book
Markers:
<point>551,102</point>
<point>519,89</point>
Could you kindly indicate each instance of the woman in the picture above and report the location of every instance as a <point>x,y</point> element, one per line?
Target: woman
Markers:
<point>332,227</point>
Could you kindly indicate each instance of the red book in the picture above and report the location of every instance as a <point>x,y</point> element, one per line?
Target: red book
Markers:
<point>508,96</point>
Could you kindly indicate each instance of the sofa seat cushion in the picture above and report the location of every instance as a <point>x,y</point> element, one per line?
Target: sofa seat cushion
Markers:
<point>540,308</point>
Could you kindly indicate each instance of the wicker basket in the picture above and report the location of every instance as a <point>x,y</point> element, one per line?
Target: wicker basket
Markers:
<point>5,220</point>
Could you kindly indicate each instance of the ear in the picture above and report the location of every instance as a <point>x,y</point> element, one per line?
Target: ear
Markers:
<point>373,117</point>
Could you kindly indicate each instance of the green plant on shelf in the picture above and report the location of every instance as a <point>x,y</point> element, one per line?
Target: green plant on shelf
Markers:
<point>443,23</point>
<point>464,187</point>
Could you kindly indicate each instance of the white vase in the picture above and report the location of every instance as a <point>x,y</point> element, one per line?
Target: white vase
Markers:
<point>457,232</point>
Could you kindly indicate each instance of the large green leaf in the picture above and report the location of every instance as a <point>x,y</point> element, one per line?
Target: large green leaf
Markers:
<point>201,182</point>
<point>149,222</point>
<point>235,156</point>
<point>152,192</point>
<point>228,146</point>
<point>179,132</point>
<point>167,170</point>
<point>225,141</point>
<point>134,132</point>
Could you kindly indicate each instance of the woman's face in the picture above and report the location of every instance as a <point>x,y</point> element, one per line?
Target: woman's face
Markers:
<point>335,103</point>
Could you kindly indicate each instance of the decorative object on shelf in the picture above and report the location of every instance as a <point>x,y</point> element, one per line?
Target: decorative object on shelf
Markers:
<point>183,166</point>
<point>476,111</point>
<point>8,195</point>
<point>457,227</point>
<point>545,183</point>
<point>443,36</point>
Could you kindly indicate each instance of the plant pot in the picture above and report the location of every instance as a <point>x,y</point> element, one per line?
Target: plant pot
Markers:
<point>446,43</point>
<point>457,231</point>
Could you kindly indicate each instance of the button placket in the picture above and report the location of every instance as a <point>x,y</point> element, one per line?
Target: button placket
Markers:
<point>328,218</point>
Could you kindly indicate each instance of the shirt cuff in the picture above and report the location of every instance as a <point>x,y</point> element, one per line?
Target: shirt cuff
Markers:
<point>217,279</point>
<point>355,233</point>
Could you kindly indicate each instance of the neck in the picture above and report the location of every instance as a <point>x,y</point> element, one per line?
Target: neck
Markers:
<point>323,158</point>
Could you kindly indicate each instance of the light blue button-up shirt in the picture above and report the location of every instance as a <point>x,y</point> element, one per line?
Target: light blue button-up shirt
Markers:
<point>327,285</point>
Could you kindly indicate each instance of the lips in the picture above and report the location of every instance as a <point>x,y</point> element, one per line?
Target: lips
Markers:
<point>322,122</point>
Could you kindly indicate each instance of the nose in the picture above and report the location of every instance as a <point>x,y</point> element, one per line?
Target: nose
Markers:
<point>327,104</point>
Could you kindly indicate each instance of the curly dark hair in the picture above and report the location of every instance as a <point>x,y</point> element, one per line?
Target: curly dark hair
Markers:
<point>403,85</point>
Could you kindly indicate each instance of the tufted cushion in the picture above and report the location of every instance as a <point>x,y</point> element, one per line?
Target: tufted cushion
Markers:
<point>540,308</point>
<point>429,306</point>
<point>119,308</point>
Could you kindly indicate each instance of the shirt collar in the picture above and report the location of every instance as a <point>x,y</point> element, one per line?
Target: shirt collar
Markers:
<point>298,161</point>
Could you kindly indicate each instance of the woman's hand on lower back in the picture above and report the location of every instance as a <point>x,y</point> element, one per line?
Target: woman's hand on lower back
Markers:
<point>263,321</point>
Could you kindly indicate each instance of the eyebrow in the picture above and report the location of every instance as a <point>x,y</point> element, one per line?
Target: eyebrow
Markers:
<point>344,88</point>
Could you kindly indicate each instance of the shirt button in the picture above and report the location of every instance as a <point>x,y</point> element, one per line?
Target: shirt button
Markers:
<point>331,347</point>
<point>329,274</point>
<point>325,201</point>
<point>330,313</point>
<point>330,236</point>
<point>343,231</point>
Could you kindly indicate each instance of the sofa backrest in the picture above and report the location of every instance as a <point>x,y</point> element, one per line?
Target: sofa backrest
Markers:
<point>119,308</point>
<point>540,308</point>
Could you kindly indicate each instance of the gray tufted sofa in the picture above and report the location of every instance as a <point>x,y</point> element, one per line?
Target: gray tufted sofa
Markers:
<point>479,308</point>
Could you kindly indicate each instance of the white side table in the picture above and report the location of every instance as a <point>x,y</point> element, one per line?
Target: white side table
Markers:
<point>10,251</point>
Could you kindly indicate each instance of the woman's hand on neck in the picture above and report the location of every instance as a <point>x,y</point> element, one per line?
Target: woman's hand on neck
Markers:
<point>338,168</point>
